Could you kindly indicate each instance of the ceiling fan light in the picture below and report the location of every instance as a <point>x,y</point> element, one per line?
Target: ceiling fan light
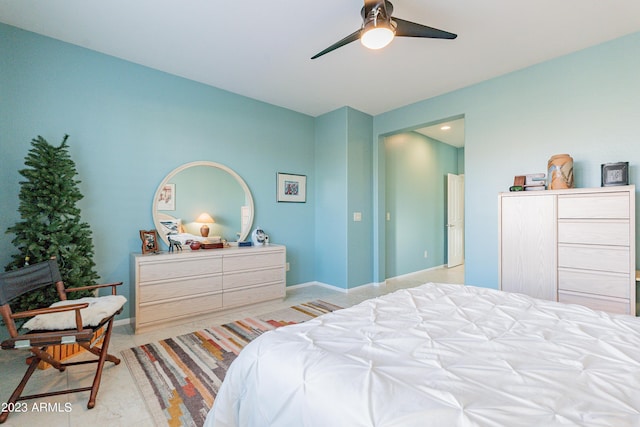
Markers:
<point>378,30</point>
<point>377,37</point>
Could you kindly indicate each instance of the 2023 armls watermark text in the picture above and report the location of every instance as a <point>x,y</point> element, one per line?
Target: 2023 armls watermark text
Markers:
<point>37,407</point>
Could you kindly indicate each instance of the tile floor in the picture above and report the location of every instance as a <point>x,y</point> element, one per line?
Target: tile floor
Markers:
<point>118,402</point>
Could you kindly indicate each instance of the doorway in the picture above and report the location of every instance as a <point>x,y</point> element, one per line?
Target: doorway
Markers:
<point>417,167</point>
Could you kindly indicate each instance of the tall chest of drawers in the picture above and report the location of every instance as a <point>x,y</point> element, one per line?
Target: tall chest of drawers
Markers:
<point>176,287</point>
<point>596,249</point>
<point>587,254</point>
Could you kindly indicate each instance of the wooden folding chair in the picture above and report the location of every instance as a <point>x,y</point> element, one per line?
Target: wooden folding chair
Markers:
<point>63,323</point>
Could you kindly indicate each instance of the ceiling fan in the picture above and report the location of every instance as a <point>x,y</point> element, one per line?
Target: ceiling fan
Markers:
<point>378,28</point>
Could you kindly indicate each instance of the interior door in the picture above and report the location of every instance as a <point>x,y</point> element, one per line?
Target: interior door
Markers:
<point>455,220</point>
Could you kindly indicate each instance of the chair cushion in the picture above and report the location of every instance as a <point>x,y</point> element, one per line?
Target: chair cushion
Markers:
<point>99,309</point>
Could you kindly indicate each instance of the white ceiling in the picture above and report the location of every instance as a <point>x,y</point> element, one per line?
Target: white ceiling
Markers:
<point>262,49</point>
<point>450,132</point>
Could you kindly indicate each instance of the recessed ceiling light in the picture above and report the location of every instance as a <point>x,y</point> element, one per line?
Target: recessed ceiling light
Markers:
<point>445,127</point>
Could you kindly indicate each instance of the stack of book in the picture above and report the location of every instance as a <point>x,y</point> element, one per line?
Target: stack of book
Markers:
<point>530,182</point>
<point>535,181</point>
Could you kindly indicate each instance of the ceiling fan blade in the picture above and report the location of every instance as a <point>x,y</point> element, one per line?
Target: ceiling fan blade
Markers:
<point>350,38</point>
<point>411,29</point>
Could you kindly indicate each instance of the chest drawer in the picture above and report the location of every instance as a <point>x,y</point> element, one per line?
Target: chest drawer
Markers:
<point>603,258</point>
<point>591,282</point>
<point>164,270</point>
<point>610,205</point>
<point>610,305</point>
<point>594,232</point>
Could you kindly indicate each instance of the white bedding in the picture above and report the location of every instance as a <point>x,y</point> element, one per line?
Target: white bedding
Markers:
<point>440,355</point>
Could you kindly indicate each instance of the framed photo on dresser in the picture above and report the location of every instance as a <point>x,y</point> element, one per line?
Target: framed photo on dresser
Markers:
<point>149,241</point>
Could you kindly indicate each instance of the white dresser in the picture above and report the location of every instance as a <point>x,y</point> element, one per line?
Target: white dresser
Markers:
<point>175,287</point>
<point>574,246</point>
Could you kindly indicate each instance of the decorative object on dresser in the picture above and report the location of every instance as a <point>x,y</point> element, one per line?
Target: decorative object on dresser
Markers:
<point>175,287</point>
<point>529,182</point>
<point>574,246</point>
<point>560,172</point>
<point>214,245</point>
<point>291,188</point>
<point>174,244</point>
<point>149,241</point>
<point>258,237</point>
<point>613,174</point>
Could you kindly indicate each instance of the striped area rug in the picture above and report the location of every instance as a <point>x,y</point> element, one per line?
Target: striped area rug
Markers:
<point>179,377</point>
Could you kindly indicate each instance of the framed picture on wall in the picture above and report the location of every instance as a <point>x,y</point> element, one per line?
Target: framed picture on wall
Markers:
<point>149,241</point>
<point>167,198</point>
<point>291,188</point>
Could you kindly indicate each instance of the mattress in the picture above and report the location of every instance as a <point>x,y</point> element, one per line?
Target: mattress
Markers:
<point>440,355</point>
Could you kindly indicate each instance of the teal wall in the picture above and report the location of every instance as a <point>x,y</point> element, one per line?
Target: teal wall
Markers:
<point>460,170</point>
<point>585,104</point>
<point>359,198</point>
<point>129,126</point>
<point>343,170</point>
<point>416,183</point>
<point>331,198</point>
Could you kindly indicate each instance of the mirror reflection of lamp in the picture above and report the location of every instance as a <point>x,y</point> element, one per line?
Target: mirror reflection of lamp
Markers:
<point>205,219</point>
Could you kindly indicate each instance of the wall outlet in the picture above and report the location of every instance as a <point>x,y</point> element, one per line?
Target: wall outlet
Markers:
<point>426,254</point>
<point>357,216</point>
<point>388,216</point>
<point>288,267</point>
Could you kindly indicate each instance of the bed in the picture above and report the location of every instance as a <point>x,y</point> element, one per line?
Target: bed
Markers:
<point>440,355</point>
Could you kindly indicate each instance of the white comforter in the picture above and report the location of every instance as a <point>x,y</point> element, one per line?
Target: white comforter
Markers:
<point>440,355</point>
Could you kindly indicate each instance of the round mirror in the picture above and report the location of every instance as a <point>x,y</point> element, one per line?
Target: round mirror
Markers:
<point>197,189</point>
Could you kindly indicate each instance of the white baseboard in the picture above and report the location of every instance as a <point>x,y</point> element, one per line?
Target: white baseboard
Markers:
<point>343,290</point>
<point>332,287</point>
<point>127,321</point>
<point>324,285</point>
<point>402,276</point>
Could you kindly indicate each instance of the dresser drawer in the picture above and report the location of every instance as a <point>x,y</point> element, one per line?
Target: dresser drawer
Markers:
<point>248,278</point>
<point>610,205</point>
<point>603,258</point>
<point>233,263</point>
<point>158,291</point>
<point>595,232</point>
<point>164,269</point>
<point>170,310</point>
<point>253,295</point>
<point>609,305</point>
<point>594,282</point>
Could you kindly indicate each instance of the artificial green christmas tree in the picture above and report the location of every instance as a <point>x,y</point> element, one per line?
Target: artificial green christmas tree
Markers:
<point>51,224</point>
